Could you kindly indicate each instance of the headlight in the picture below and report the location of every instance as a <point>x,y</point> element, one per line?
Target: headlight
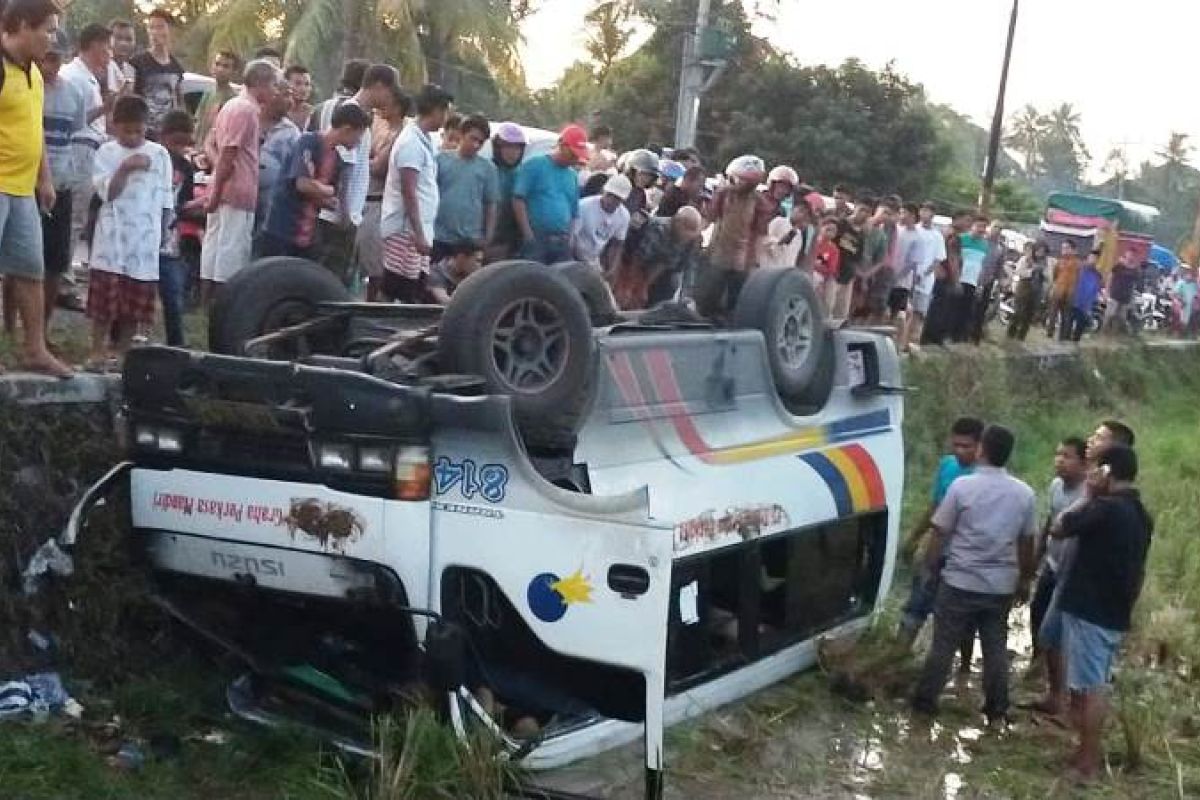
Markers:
<point>152,437</point>
<point>145,436</point>
<point>414,474</point>
<point>170,441</point>
<point>374,458</point>
<point>336,456</point>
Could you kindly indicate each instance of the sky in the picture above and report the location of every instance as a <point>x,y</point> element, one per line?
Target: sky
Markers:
<point>1126,66</point>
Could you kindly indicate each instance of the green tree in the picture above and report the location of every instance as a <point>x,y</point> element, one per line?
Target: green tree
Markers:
<point>608,33</point>
<point>1175,156</point>
<point>1065,123</point>
<point>574,97</point>
<point>1116,164</point>
<point>1062,150</point>
<point>452,43</point>
<point>1025,131</point>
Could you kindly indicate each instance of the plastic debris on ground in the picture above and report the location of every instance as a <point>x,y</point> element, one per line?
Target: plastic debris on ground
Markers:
<point>37,696</point>
<point>130,756</point>
<point>40,641</point>
<point>49,558</point>
<point>210,737</point>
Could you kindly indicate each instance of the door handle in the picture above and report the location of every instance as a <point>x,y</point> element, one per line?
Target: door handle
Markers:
<point>628,580</point>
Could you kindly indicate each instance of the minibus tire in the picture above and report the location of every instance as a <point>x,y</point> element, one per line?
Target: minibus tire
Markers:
<point>522,297</point>
<point>783,305</point>
<point>266,295</point>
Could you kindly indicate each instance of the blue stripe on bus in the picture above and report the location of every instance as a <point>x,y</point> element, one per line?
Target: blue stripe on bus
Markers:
<point>856,426</point>
<point>833,479</point>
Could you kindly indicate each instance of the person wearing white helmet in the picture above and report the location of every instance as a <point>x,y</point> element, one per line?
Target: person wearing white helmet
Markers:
<point>735,210</point>
<point>782,243</point>
<point>508,148</point>
<point>598,236</point>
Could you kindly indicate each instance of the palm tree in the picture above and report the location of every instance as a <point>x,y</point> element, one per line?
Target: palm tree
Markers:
<point>466,31</point>
<point>426,39</point>
<point>608,33</point>
<point>1026,129</point>
<point>1064,122</point>
<point>1175,158</point>
<point>1116,163</point>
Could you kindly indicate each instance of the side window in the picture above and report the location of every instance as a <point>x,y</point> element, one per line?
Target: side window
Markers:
<point>738,604</point>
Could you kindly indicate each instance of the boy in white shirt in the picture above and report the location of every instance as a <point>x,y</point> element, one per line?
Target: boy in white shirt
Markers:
<point>132,177</point>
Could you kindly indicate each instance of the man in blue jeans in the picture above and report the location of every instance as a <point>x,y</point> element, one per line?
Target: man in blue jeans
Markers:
<point>546,198</point>
<point>985,528</point>
<point>965,434</point>
<point>1113,531</point>
<point>1049,633</point>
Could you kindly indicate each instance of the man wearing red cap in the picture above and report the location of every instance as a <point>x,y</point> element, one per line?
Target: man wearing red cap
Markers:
<point>546,198</point>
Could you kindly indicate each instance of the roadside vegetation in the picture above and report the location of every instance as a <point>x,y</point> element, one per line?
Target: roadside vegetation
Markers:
<point>840,731</point>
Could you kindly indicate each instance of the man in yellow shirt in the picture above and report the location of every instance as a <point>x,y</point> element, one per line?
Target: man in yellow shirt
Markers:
<point>26,187</point>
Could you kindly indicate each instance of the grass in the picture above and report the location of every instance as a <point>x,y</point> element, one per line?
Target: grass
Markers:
<point>795,740</point>
<point>70,333</point>
<point>874,748</point>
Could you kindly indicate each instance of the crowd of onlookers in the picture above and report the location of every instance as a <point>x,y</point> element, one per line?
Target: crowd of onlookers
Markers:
<point>395,192</point>
<point>1080,568</point>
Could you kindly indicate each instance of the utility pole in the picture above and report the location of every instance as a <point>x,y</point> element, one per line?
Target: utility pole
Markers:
<point>691,80</point>
<point>989,166</point>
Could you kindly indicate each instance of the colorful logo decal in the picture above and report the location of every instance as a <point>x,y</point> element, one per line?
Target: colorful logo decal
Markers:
<point>549,596</point>
<point>852,477</point>
<point>649,388</point>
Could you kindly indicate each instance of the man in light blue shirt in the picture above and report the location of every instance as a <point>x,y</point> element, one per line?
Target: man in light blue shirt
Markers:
<point>546,198</point>
<point>965,434</point>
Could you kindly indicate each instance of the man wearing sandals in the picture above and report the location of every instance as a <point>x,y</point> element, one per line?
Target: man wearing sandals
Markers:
<point>26,186</point>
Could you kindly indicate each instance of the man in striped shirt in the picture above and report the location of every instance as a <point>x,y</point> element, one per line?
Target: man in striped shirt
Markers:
<point>64,122</point>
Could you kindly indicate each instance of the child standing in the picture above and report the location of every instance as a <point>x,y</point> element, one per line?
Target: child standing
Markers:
<point>827,262</point>
<point>132,177</point>
<point>173,272</point>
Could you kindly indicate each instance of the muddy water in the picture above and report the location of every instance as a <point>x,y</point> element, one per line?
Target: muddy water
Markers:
<point>797,740</point>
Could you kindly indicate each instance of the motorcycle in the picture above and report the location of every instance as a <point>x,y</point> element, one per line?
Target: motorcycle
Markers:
<point>1004,306</point>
